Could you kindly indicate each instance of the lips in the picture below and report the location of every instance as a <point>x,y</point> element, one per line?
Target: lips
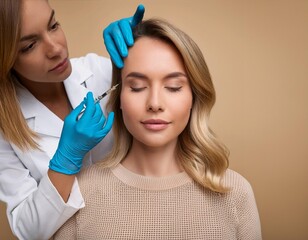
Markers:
<point>155,124</point>
<point>60,66</point>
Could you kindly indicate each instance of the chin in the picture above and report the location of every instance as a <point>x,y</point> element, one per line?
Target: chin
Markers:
<point>155,144</point>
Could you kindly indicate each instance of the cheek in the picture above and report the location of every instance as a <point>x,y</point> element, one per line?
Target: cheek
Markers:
<point>130,107</point>
<point>64,42</point>
<point>183,112</point>
<point>130,101</point>
<point>26,66</point>
<point>60,37</point>
<point>130,117</point>
<point>184,102</point>
<point>183,109</point>
<point>19,63</point>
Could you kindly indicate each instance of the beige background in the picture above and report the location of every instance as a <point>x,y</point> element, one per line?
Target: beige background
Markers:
<point>257,54</point>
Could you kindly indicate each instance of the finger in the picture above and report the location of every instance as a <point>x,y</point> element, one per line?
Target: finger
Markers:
<point>114,39</point>
<point>126,30</point>
<point>119,41</point>
<point>98,115</point>
<point>138,15</point>
<point>99,125</point>
<point>90,107</point>
<point>113,52</point>
<point>108,124</point>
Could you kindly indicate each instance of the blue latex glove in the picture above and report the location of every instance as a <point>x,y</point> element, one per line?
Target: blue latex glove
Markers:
<point>80,135</point>
<point>118,36</point>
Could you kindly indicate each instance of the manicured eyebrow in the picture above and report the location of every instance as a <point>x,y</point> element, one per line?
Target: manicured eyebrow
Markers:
<point>32,36</point>
<point>28,37</point>
<point>51,17</point>
<point>136,75</point>
<point>175,75</point>
<point>169,76</point>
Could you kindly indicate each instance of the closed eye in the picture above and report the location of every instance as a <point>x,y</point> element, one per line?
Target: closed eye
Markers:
<point>174,89</point>
<point>139,89</point>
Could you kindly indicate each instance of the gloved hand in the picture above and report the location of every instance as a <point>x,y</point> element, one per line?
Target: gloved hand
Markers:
<point>80,135</point>
<point>118,36</point>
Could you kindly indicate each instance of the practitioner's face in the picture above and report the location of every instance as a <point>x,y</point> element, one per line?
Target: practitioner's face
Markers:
<point>156,96</point>
<point>42,51</point>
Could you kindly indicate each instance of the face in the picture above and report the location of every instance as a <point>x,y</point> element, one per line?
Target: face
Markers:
<point>156,97</point>
<point>42,51</point>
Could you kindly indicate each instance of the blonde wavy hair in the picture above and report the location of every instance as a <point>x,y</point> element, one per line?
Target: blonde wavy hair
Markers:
<point>201,154</point>
<point>12,123</point>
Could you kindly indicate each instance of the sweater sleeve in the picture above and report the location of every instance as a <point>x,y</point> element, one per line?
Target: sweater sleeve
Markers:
<point>249,227</point>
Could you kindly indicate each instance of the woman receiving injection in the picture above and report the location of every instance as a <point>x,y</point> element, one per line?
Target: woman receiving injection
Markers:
<point>43,144</point>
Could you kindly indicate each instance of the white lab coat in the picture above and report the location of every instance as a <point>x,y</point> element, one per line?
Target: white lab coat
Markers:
<point>35,210</point>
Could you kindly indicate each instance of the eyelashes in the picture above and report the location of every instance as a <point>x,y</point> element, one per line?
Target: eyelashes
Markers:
<point>54,26</point>
<point>174,89</point>
<point>32,44</point>
<point>134,89</point>
<point>28,48</point>
<point>170,89</point>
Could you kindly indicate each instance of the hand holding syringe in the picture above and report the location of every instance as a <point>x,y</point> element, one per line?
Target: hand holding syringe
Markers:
<point>100,98</point>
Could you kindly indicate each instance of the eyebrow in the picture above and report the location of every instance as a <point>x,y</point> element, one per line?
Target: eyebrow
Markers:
<point>136,75</point>
<point>31,36</point>
<point>175,75</point>
<point>144,77</point>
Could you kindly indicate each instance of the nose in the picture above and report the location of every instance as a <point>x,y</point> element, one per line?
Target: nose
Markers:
<point>53,48</point>
<point>155,101</point>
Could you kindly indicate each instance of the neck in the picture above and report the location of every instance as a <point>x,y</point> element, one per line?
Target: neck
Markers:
<point>51,94</point>
<point>155,162</point>
<point>45,92</point>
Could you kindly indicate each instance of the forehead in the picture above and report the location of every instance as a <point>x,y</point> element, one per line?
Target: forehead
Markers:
<point>34,14</point>
<point>151,54</point>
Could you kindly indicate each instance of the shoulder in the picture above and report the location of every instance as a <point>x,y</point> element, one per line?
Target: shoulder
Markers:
<point>244,205</point>
<point>93,176</point>
<point>93,170</point>
<point>240,190</point>
<point>235,181</point>
<point>239,187</point>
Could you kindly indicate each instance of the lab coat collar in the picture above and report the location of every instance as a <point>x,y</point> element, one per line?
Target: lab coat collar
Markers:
<point>75,85</point>
<point>38,115</point>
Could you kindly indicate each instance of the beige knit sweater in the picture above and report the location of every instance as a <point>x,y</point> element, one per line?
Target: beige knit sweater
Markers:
<point>123,205</point>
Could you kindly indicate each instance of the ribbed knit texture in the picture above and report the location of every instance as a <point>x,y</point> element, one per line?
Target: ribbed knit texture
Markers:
<point>123,205</point>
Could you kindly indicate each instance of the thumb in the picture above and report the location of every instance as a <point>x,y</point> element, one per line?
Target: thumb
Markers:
<point>137,16</point>
<point>75,113</point>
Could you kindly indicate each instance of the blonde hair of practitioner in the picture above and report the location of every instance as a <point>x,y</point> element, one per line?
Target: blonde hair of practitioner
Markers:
<point>201,154</point>
<point>12,123</point>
